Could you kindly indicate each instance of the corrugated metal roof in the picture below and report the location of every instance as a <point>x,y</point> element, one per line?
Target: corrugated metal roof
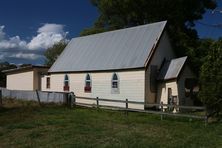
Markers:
<point>121,49</point>
<point>171,69</point>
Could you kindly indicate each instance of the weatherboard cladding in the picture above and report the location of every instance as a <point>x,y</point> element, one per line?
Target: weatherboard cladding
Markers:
<point>121,49</point>
<point>172,69</point>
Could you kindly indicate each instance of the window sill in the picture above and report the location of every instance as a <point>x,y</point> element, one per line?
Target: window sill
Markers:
<point>115,91</point>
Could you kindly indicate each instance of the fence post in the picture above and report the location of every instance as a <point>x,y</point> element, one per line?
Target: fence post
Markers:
<point>127,107</point>
<point>97,102</point>
<point>74,100</point>
<point>71,99</point>
<point>37,94</point>
<point>161,105</point>
<point>0,98</point>
<point>65,98</point>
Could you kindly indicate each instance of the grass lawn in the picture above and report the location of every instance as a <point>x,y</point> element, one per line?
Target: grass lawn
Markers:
<point>24,124</point>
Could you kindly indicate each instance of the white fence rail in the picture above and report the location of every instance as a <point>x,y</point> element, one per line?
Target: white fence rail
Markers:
<point>46,97</point>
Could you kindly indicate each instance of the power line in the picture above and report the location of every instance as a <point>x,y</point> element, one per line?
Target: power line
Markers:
<point>219,26</point>
<point>217,10</point>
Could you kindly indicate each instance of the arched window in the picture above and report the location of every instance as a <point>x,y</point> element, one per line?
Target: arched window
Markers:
<point>88,84</point>
<point>115,83</point>
<point>66,83</point>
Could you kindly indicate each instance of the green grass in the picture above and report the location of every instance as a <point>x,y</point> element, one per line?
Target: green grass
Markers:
<point>25,124</point>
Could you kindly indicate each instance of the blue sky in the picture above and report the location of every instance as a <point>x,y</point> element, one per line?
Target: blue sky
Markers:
<point>205,27</point>
<point>28,27</point>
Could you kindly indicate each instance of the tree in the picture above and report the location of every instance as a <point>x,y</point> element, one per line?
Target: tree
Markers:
<point>197,55</point>
<point>211,79</point>
<point>180,14</point>
<point>5,66</point>
<point>53,52</point>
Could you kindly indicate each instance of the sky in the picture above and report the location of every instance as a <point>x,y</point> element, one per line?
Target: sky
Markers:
<point>29,27</point>
<point>208,26</point>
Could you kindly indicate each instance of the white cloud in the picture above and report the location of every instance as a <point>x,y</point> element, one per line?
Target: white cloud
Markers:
<point>13,42</point>
<point>48,35</point>
<point>51,28</point>
<point>14,47</point>
<point>30,56</point>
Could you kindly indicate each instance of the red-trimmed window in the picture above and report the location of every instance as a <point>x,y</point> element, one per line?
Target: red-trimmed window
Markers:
<point>66,83</point>
<point>88,84</point>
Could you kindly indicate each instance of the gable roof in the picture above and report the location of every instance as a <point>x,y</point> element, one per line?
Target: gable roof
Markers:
<point>171,69</point>
<point>120,49</point>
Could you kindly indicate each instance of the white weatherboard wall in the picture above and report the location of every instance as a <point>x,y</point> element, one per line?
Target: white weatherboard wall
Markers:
<point>163,50</point>
<point>162,95</point>
<point>131,86</point>
<point>20,81</point>
<point>178,88</point>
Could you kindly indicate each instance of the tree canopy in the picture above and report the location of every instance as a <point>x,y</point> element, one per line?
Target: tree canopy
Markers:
<point>53,52</point>
<point>197,55</point>
<point>115,14</point>
<point>211,78</point>
<point>5,66</point>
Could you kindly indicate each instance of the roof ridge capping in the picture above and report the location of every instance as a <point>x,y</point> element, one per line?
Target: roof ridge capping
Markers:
<point>127,28</point>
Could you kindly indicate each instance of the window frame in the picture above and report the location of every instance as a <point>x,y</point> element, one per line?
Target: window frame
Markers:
<point>115,90</point>
<point>88,79</point>
<point>66,83</point>
<point>48,80</point>
<point>189,85</point>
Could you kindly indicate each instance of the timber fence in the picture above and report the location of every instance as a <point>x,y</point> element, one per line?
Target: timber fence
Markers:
<point>126,105</point>
<point>40,96</point>
<point>161,108</point>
